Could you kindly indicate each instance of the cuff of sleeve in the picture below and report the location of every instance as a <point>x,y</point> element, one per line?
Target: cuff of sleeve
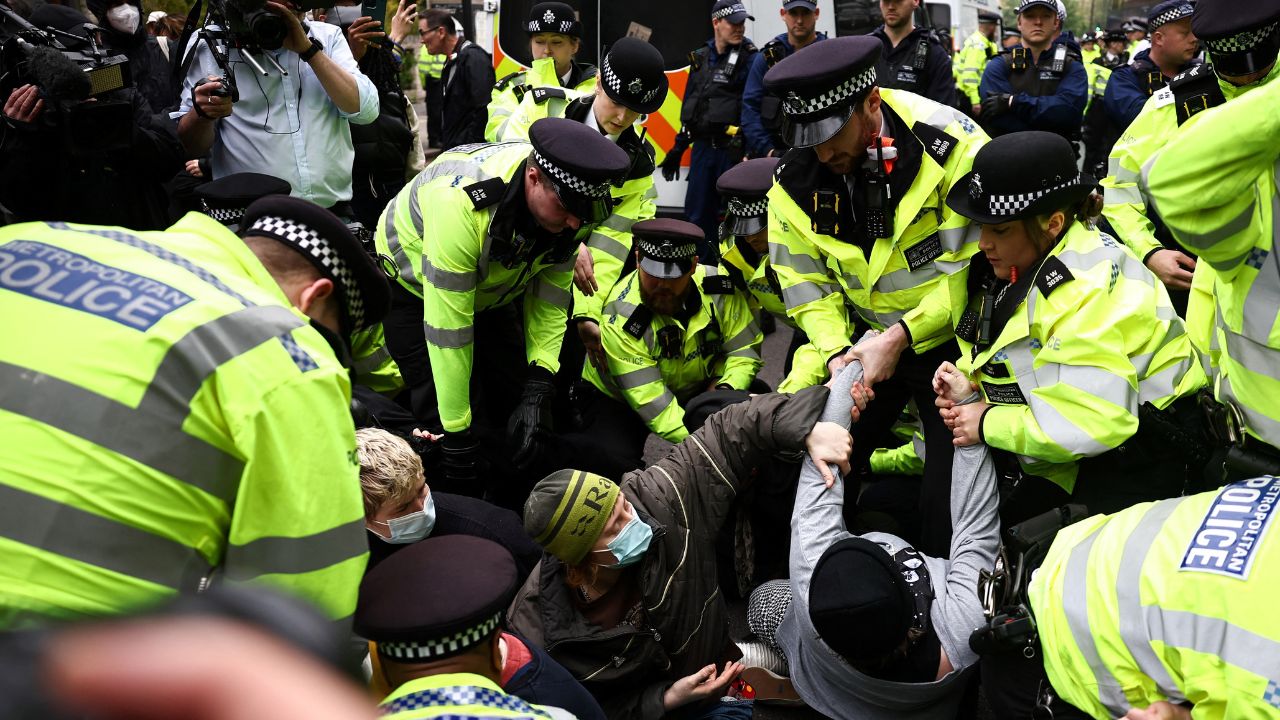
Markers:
<point>907,329</point>
<point>1151,252</point>
<point>996,426</point>
<point>982,435</point>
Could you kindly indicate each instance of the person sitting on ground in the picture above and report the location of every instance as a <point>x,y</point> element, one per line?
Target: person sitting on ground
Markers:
<point>400,509</point>
<point>870,627</point>
<point>627,598</point>
<point>435,615</point>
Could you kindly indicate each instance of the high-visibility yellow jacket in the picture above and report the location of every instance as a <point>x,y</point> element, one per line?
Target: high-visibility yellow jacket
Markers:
<point>1172,600</point>
<point>169,420</point>
<point>971,61</point>
<point>1098,75</point>
<point>430,67</point>
<point>758,283</point>
<point>372,362</point>
<point>452,236</point>
<point>827,277</point>
<point>1215,188</point>
<point>510,91</point>
<point>610,242</point>
<point>457,695</point>
<point>657,362</point>
<point>1095,337</point>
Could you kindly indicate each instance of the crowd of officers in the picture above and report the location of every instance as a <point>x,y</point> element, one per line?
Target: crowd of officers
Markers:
<point>437,434</point>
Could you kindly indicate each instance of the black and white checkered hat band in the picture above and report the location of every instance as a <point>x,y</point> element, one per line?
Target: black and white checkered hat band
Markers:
<point>1242,42</point>
<point>740,208</point>
<point>794,105</point>
<point>550,23</point>
<point>668,252</point>
<point>440,648</point>
<point>1009,205</point>
<point>310,242</point>
<point>1171,15</point>
<point>577,184</point>
<point>727,11</point>
<point>226,216</point>
<point>614,83</point>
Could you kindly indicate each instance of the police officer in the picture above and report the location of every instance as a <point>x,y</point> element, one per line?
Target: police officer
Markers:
<point>1064,397</point>
<point>1128,210</point>
<point>761,111</point>
<point>1036,85</point>
<point>431,69</point>
<point>1089,47</point>
<point>974,56</point>
<point>913,59</point>
<point>1135,31</point>
<point>554,37</point>
<point>1165,607</point>
<point>671,330</point>
<point>744,258</point>
<point>1216,194</point>
<point>435,612</point>
<point>475,231</point>
<point>710,117</point>
<point>634,84</point>
<point>1173,51</point>
<point>857,240</point>
<point>207,437</point>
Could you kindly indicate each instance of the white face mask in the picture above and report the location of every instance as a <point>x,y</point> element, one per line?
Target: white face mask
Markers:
<point>124,18</point>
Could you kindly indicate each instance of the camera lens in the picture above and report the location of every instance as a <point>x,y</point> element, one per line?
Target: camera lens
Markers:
<point>267,28</point>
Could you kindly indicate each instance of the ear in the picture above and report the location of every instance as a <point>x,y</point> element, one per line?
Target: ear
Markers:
<point>313,294</point>
<point>873,100</point>
<point>1056,221</point>
<point>495,653</point>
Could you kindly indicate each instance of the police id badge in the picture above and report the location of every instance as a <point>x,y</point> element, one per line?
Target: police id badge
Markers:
<point>907,76</point>
<point>923,252</point>
<point>1003,393</point>
<point>1233,529</point>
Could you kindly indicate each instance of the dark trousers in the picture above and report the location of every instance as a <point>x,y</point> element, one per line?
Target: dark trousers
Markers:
<point>701,200</point>
<point>913,379</point>
<point>497,376</point>
<point>610,438</point>
<point>1013,686</point>
<point>435,105</point>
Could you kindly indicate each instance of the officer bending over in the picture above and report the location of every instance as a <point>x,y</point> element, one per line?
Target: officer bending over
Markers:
<point>672,329</point>
<point>207,437</point>
<point>478,229</point>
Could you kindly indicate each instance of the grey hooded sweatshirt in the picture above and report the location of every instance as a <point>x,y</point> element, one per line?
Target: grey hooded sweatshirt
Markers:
<point>825,681</point>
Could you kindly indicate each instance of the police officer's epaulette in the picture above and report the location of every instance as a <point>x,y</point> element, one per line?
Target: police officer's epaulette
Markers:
<point>638,322</point>
<point>508,80</point>
<point>717,285</point>
<point>820,193</point>
<point>543,94</point>
<point>1195,91</point>
<point>774,51</point>
<point>485,193</point>
<point>937,143</point>
<point>1053,273</point>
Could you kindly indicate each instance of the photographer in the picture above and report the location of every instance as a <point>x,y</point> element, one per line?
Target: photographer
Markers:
<point>292,126</point>
<point>64,156</point>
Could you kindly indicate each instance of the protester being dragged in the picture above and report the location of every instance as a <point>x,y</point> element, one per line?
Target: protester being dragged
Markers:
<point>627,599</point>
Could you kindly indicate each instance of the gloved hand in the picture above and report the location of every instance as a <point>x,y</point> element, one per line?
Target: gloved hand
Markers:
<point>996,105</point>
<point>530,426</point>
<point>670,164</point>
<point>461,454</point>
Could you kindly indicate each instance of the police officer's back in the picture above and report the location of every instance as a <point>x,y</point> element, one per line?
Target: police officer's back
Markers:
<point>913,57</point>
<point>1038,85</point>
<point>175,411</point>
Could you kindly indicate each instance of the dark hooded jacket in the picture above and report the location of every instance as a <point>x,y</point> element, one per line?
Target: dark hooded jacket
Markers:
<point>147,63</point>
<point>685,498</point>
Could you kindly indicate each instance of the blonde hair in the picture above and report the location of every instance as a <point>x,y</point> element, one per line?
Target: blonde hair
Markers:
<point>389,469</point>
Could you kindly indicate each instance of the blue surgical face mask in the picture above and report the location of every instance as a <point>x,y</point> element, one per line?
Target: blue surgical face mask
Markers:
<point>412,527</point>
<point>631,543</point>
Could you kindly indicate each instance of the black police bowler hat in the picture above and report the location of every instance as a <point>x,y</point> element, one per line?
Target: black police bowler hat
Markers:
<point>633,75</point>
<point>554,17</point>
<point>1019,175</point>
<point>745,186</point>
<point>667,247</point>
<point>1242,38</point>
<point>822,85</point>
<point>580,164</point>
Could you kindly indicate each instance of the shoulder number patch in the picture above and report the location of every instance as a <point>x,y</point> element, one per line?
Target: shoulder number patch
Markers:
<point>1052,274</point>
<point>717,285</point>
<point>937,144</point>
<point>638,322</point>
<point>485,193</point>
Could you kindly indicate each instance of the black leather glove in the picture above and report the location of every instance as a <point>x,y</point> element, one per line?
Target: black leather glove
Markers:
<point>460,455</point>
<point>996,105</point>
<point>670,164</point>
<point>530,427</point>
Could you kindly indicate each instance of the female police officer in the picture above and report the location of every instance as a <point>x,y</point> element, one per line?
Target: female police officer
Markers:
<point>1068,335</point>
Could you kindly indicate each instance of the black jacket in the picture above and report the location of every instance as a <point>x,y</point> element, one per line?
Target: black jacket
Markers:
<point>468,81</point>
<point>462,515</point>
<point>918,64</point>
<point>147,64</point>
<point>42,178</point>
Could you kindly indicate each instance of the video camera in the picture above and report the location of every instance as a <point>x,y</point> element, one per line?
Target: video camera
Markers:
<point>69,69</point>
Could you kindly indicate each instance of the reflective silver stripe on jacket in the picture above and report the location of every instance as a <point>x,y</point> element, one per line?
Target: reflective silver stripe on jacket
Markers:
<point>295,555</point>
